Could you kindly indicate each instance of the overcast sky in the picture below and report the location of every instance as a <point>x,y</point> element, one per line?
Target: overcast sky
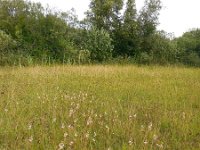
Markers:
<point>177,16</point>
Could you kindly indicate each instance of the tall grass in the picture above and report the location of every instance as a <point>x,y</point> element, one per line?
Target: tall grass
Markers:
<point>99,107</point>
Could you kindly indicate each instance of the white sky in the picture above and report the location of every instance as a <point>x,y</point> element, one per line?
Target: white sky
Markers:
<point>176,17</point>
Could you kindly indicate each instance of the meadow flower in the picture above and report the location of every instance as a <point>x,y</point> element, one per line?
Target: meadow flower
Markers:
<point>135,115</point>
<point>142,127</point>
<point>71,112</point>
<point>76,135</point>
<point>77,106</point>
<point>75,120</point>
<point>159,145</point>
<point>71,143</point>
<point>29,127</point>
<point>155,137</point>
<point>130,142</point>
<point>6,110</point>
<point>63,126</point>
<point>61,146</point>
<point>150,126</point>
<point>107,127</point>
<point>87,135</point>
<point>145,142</point>
<point>89,121</point>
<point>95,134</point>
<point>30,139</point>
<point>183,114</point>
<point>65,135</point>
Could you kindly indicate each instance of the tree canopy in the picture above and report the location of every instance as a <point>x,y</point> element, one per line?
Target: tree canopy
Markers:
<point>112,29</point>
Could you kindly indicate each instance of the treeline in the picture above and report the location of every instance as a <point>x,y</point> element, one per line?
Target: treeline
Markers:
<point>31,33</point>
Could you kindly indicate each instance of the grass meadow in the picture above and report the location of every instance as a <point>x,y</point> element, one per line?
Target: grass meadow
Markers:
<point>99,108</point>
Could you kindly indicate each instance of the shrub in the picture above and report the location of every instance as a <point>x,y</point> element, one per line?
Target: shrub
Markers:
<point>192,59</point>
<point>145,58</point>
<point>99,44</point>
<point>7,44</point>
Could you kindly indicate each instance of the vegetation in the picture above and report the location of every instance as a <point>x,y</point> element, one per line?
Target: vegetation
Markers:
<point>53,106</point>
<point>33,34</point>
<point>99,107</point>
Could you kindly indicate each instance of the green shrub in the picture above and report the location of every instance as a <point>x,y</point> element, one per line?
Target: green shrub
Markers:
<point>7,44</point>
<point>192,59</point>
<point>145,58</point>
<point>99,44</point>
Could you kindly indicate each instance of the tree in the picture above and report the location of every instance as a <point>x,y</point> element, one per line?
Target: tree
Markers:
<point>189,46</point>
<point>104,13</point>
<point>99,45</point>
<point>164,50</point>
<point>128,42</point>
<point>148,21</point>
<point>7,44</point>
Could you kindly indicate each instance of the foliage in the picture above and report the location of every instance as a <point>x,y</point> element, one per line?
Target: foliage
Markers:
<point>31,33</point>
<point>189,45</point>
<point>148,21</point>
<point>7,44</point>
<point>163,49</point>
<point>126,38</point>
<point>99,44</point>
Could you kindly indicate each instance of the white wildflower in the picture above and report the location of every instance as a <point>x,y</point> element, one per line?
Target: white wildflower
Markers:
<point>61,146</point>
<point>89,121</point>
<point>155,137</point>
<point>145,142</point>
<point>65,135</point>
<point>29,127</point>
<point>159,145</point>
<point>76,135</point>
<point>183,115</point>
<point>150,126</point>
<point>95,134</point>
<point>135,115</point>
<point>142,128</point>
<point>87,135</point>
<point>71,112</point>
<point>63,126</point>
<point>30,139</point>
<point>130,142</point>
<point>71,143</point>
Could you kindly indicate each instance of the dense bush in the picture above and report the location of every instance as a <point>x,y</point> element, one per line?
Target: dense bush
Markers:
<point>192,59</point>
<point>99,44</point>
<point>30,33</point>
<point>7,44</point>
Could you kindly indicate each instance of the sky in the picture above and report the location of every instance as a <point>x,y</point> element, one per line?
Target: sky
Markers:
<point>177,16</point>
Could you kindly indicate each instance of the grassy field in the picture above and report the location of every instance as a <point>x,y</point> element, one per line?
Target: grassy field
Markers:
<point>100,108</point>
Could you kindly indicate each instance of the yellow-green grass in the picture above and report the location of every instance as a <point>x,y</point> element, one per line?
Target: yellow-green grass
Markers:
<point>100,108</point>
